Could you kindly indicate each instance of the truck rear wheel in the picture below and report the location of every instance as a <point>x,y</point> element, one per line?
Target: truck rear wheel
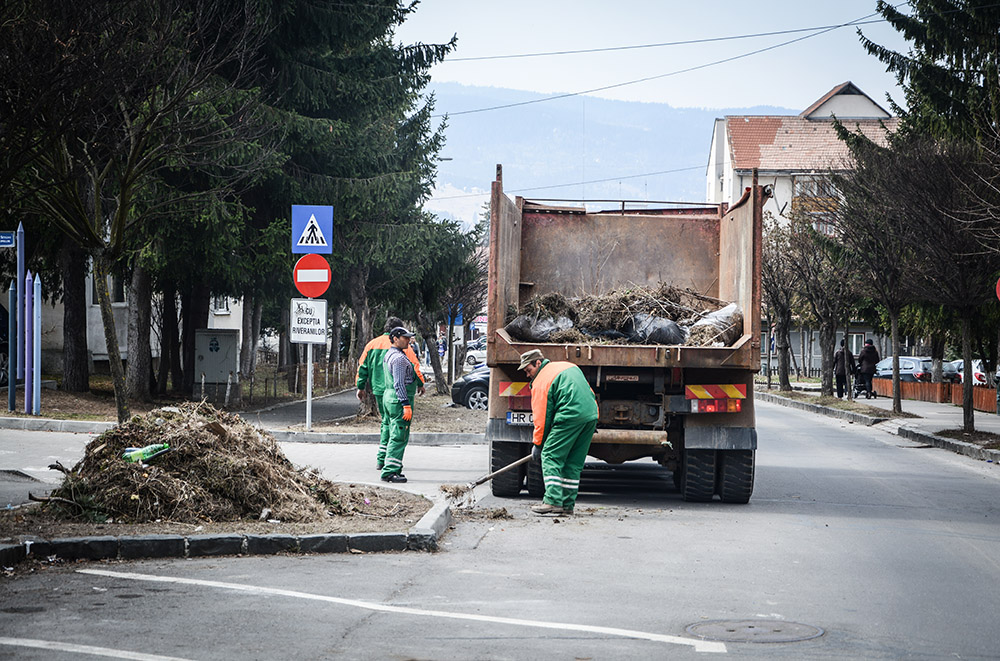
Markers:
<point>535,483</point>
<point>698,477</point>
<point>503,453</point>
<point>736,475</point>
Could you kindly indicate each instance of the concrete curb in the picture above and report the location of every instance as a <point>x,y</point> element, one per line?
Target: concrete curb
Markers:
<point>425,438</point>
<point>421,537</point>
<point>850,416</point>
<point>900,429</point>
<point>281,435</point>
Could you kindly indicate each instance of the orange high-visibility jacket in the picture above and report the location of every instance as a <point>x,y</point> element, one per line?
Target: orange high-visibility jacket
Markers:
<point>560,394</point>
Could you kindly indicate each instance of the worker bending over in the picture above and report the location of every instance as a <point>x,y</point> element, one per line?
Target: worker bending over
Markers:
<point>564,410</point>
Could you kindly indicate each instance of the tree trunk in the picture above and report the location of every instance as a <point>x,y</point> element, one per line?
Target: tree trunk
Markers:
<point>248,346</point>
<point>827,340</point>
<point>171,331</point>
<point>428,329</point>
<point>258,311</point>
<point>358,282</point>
<point>781,324</point>
<point>968,414</point>
<point>897,401</point>
<point>195,310</point>
<point>76,359</point>
<point>139,365</point>
<point>102,269</point>
<point>336,333</point>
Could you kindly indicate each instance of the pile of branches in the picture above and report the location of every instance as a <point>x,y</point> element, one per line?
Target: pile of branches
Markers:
<point>218,468</point>
<point>634,315</point>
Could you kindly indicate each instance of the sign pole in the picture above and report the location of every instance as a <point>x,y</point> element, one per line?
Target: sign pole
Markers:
<point>19,356</point>
<point>28,335</point>
<point>309,386</point>
<point>36,362</point>
<point>11,346</point>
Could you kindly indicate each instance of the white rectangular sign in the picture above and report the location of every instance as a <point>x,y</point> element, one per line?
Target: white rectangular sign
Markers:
<point>307,323</point>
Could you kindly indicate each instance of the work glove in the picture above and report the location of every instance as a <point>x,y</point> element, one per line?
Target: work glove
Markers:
<point>536,453</point>
<point>407,413</point>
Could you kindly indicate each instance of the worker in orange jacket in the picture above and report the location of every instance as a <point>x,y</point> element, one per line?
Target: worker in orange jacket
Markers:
<point>371,373</point>
<point>564,411</point>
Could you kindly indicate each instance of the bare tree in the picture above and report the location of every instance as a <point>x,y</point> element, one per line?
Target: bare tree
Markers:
<point>778,285</point>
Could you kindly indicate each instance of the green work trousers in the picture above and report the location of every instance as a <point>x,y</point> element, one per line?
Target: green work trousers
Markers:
<point>563,455</point>
<point>383,440</point>
<point>399,434</point>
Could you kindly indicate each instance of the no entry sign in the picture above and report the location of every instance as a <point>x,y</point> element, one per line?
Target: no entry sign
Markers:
<point>311,275</point>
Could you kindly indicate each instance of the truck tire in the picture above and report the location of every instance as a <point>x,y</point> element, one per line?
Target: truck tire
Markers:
<point>536,485</point>
<point>503,453</point>
<point>698,478</point>
<point>736,475</point>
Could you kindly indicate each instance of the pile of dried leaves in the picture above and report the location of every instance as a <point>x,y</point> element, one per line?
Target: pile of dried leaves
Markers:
<point>613,318</point>
<point>218,468</point>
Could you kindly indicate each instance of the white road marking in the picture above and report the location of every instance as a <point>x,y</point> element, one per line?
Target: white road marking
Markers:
<point>85,649</point>
<point>698,645</point>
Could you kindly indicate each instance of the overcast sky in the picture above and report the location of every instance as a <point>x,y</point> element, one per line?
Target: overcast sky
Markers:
<point>791,76</point>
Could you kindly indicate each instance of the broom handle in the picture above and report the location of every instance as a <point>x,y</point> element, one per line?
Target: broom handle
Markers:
<point>487,478</point>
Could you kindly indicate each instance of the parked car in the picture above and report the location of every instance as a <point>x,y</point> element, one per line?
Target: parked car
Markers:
<point>473,389</point>
<point>915,368</point>
<point>979,376</point>
<point>476,353</point>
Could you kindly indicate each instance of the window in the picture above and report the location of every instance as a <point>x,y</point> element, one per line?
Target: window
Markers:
<point>116,287</point>
<point>220,304</point>
<point>817,199</point>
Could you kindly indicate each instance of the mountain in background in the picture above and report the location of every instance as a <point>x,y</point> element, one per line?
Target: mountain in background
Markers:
<point>579,147</point>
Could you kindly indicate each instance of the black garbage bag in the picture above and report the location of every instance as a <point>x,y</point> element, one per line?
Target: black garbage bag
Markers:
<point>528,328</point>
<point>648,329</point>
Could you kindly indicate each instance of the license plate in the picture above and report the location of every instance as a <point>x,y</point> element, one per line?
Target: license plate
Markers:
<point>523,418</point>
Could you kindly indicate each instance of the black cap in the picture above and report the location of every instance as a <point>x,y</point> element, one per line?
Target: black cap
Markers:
<point>399,331</point>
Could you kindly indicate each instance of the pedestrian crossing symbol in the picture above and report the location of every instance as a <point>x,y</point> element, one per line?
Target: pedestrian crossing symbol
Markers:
<point>312,229</point>
<point>312,235</point>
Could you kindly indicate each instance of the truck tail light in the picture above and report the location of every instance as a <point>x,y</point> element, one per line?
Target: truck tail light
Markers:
<point>716,405</point>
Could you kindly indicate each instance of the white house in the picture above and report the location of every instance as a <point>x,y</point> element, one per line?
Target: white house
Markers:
<point>790,152</point>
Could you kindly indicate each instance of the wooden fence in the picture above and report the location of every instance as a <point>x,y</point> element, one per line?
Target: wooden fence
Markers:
<point>983,398</point>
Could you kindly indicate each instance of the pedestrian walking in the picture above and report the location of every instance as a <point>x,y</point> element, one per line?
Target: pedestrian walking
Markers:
<point>397,401</point>
<point>564,410</point>
<point>866,366</point>
<point>843,364</point>
<point>371,373</point>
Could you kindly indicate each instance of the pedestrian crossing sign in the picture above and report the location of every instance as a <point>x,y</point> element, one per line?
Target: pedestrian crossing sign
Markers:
<point>312,229</point>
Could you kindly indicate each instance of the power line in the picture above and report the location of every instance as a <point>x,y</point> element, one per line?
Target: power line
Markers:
<point>656,77</point>
<point>578,183</point>
<point>687,42</point>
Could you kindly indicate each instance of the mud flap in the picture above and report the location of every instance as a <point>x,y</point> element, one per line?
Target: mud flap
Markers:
<point>720,438</point>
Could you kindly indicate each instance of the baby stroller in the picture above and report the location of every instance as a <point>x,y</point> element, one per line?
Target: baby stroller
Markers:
<point>859,385</point>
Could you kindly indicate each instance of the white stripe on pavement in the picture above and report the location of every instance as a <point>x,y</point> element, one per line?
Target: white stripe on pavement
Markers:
<point>84,649</point>
<point>698,645</point>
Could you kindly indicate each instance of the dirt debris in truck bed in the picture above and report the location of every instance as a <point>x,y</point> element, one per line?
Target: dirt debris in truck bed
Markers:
<point>218,468</point>
<point>631,315</point>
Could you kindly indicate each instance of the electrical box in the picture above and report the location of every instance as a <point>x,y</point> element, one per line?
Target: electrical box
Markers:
<point>216,355</point>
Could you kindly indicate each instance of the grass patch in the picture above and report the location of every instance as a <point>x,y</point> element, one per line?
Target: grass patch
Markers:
<point>987,440</point>
<point>843,404</point>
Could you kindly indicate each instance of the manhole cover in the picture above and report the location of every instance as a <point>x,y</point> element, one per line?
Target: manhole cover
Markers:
<point>753,631</point>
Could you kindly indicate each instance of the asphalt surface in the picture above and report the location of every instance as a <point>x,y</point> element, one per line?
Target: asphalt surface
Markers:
<point>324,409</point>
<point>887,546</point>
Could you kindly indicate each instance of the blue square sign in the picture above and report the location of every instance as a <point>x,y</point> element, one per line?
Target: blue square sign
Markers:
<point>312,229</point>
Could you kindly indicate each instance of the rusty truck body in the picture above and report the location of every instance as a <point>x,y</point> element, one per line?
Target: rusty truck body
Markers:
<point>688,408</point>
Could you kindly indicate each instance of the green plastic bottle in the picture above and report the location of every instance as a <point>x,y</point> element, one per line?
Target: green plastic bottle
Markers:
<point>145,454</point>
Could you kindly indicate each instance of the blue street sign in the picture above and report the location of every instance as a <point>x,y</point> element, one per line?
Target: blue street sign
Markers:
<point>6,239</point>
<point>312,229</point>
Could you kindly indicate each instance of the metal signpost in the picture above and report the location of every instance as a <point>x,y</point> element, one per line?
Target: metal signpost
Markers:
<point>308,326</point>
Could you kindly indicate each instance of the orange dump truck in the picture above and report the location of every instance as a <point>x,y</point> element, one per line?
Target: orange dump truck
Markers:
<point>688,408</point>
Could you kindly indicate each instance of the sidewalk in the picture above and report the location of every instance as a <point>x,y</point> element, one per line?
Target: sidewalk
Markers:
<point>932,418</point>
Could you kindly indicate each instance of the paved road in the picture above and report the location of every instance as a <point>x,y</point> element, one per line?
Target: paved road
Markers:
<point>889,547</point>
<point>326,408</point>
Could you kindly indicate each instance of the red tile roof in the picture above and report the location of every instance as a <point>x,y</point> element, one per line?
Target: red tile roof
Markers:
<point>795,143</point>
